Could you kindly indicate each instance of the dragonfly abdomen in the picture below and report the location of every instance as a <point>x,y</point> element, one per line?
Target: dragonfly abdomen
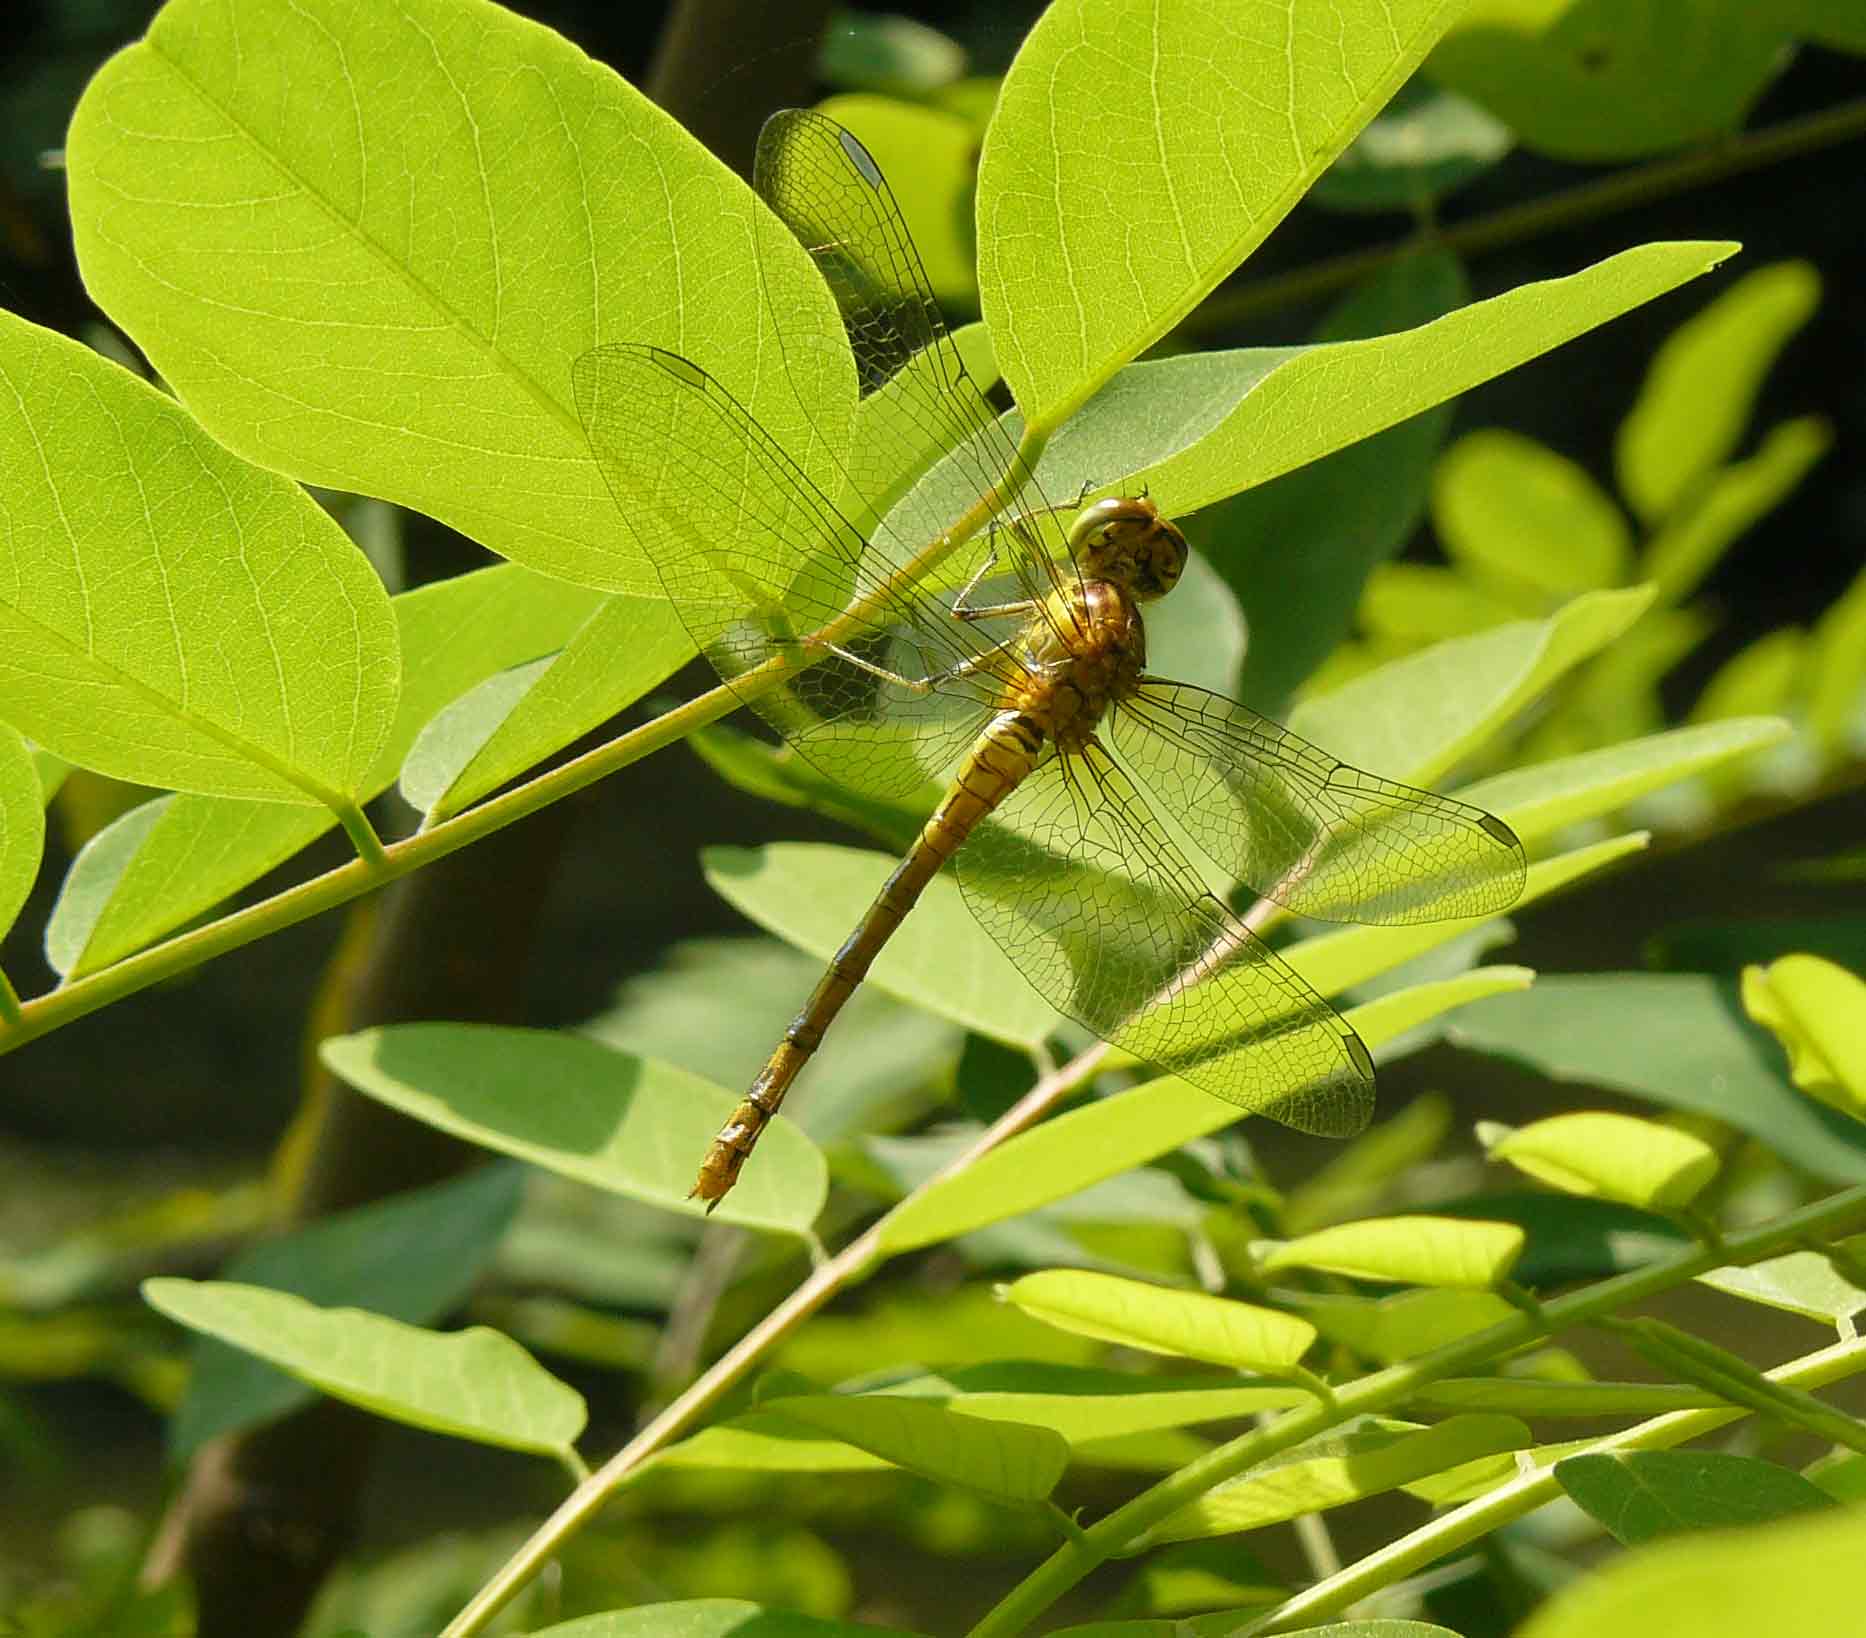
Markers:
<point>1000,757</point>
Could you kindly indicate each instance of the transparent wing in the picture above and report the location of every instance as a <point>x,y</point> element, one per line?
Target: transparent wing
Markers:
<point>1102,914</point>
<point>826,187</point>
<point>756,558</point>
<point>1317,836</point>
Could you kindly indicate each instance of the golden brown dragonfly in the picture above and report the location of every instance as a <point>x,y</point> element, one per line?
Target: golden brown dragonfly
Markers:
<point>1012,668</point>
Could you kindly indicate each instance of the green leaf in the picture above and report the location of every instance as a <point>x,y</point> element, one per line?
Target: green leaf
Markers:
<point>1426,143</point>
<point>1337,1468</point>
<point>1702,384</point>
<point>22,824</point>
<point>1419,1250</point>
<point>1174,174</point>
<point>940,959</point>
<point>776,773</point>
<point>1675,1039</point>
<point>1183,1324</point>
<point>626,647</point>
<point>1422,603</point>
<point>630,1125</point>
<point>1799,1576</point>
<point>1802,1282</point>
<point>890,54</point>
<point>1197,428</point>
<point>1406,1324</point>
<point>1837,667</point>
<point>1594,80</point>
<point>413,1257</point>
<point>1817,1010</point>
<point>476,1384</point>
<point>1084,1404</point>
<point>883,1048</point>
<point>1544,799</point>
<point>168,861</point>
<point>1642,1495</point>
<point>711,1618</point>
<point>1418,716</point>
<point>1387,1017</point>
<point>1298,548</point>
<point>389,301</point>
<point>1200,637</point>
<point>1618,1157</point>
<point>1002,1460</point>
<point>1724,506</point>
<point>1083,1146</point>
<point>1512,511</point>
<point>173,616</point>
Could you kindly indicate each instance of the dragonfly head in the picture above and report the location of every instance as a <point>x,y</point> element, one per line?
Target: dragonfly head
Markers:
<point>1124,539</point>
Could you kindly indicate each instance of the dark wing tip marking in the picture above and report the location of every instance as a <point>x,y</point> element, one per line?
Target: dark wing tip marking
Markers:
<point>1357,1051</point>
<point>859,157</point>
<point>1499,832</point>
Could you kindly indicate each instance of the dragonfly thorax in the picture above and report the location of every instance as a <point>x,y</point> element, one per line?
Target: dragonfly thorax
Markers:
<point>1124,539</point>
<point>1084,653</point>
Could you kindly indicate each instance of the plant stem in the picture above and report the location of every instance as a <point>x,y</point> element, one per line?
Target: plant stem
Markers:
<point>1622,190</point>
<point>1379,1391</point>
<point>844,1269</point>
<point>1491,1511</point>
<point>10,1013</point>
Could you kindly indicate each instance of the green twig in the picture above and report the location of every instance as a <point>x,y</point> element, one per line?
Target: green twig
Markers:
<point>10,1014</point>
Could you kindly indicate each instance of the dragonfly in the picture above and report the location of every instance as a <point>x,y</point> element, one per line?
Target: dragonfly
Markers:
<point>1011,668</point>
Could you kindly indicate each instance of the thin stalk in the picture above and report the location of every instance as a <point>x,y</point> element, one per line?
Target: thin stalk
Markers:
<point>1488,1513</point>
<point>1380,1391</point>
<point>1623,190</point>
<point>362,836</point>
<point>844,1269</point>
<point>10,1013</point>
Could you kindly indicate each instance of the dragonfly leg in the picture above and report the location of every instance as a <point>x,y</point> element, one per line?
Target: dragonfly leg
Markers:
<point>962,609</point>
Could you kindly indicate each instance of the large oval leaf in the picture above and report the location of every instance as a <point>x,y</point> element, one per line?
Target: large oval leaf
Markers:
<point>170,615</point>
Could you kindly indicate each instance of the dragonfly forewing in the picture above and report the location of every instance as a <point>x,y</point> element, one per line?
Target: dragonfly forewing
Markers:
<point>1076,880</point>
<point>1314,834</point>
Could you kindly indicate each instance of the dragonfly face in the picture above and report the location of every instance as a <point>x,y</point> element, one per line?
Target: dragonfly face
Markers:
<point>1059,754</point>
<point>1124,539</point>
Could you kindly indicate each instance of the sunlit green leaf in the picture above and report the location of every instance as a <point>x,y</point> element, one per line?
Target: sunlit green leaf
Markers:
<point>1796,1576</point>
<point>1614,79</point>
<point>1337,1468</point>
<point>389,302</point>
<point>1416,717</point>
<point>172,616</point>
<point>170,860</point>
<point>1175,175</point>
<point>412,1257</point>
<point>1298,548</point>
<point>1722,509</point>
<point>1801,1282</point>
<point>1702,384</point>
<point>1515,512</point>
<point>1416,1250</point>
<point>627,646</point>
<point>1676,1039</point>
<point>1405,1324</point>
<point>1641,1495</point>
<point>1423,603</point>
<point>1366,1165</point>
<point>940,959</point>
<point>1083,1404</point>
<point>1817,1010</point>
<point>1184,1324</point>
<point>1837,669</point>
<point>888,53</point>
<point>1197,428</point>
<point>1616,1156</point>
<point>476,1384</point>
<point>22,824</point>
<point>622,1123</point>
